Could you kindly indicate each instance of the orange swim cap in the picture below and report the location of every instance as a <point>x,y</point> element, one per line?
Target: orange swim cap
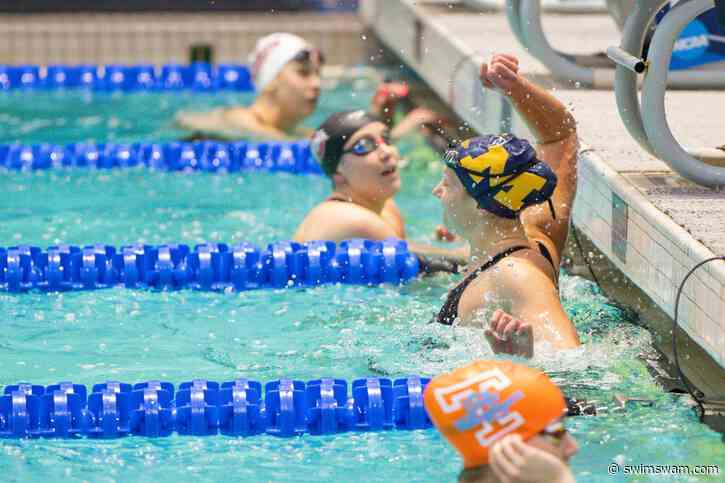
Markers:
<point>474,406</point>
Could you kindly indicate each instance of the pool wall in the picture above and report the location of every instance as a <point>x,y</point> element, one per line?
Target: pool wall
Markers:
<point>157,38</point>
<point>641,241</point>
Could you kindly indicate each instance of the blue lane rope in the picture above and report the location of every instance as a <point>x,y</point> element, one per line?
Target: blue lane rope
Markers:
<point>199,407</point>
<point>210,156</point>
<point>210,266</point>
<point>198,76</point>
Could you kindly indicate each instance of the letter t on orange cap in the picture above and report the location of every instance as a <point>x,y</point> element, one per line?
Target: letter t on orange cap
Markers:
<point>476,405</point>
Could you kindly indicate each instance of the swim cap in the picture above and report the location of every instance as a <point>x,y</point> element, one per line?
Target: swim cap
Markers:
<point>476,405</point>
<point>271,54</point>
<point>502,173</point>
<point>328,141</point>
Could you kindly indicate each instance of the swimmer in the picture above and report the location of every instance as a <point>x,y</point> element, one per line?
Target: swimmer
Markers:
<point>286,74</point>
<point>355,151</point>
<point>513,205</point>
<point>506,421</point>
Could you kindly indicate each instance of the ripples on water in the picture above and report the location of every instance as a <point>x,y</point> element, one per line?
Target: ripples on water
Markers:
<point>138,335</point>
<point>135,335</point>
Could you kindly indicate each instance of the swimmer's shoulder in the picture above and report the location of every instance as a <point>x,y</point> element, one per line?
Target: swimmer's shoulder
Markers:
<point>392,215</point>
<point>225,123</point>
<point>513,278</point>
<point>339,220</point>
<point>200,121</point>
<point>302,132</point>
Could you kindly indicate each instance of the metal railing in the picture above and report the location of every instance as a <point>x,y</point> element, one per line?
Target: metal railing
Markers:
<point>589,71</point>
<point>646,119</point>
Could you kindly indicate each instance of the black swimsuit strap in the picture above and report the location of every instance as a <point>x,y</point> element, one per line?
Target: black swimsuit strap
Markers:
<point>449,311</point>
<point>547,254</point>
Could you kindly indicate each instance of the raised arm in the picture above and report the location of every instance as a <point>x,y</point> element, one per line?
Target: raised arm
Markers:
<point>555,131</point>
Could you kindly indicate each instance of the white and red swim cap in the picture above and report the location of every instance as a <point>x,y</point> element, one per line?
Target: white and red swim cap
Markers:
<point>272,53</point>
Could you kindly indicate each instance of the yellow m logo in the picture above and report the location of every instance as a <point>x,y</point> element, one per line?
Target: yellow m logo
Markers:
<point>518,187</point>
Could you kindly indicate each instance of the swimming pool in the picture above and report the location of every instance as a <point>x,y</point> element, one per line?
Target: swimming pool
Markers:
<point>134,335</point>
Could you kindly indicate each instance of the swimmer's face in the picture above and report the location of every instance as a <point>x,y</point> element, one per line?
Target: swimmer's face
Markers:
<point>459,209</point>
<point>373,175</point>
<point>563,446</point>
<point>298,86</point>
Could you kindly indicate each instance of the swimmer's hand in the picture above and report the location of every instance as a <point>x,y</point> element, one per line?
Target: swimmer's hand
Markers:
<point>444,234</point>
<point>387,95</point>
<point>418,118</point>
<point>508,335</point>
<point>514,461</point>
<point>501,74</point>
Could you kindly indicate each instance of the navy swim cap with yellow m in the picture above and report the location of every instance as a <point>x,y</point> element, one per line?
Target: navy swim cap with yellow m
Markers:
<point>502,173</point>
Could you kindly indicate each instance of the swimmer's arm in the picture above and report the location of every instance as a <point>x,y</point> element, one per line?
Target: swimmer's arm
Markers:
<point>212,124</point>
<point>349,221</point>
<point>197,121</point>
<point>363,225</point>
<point>552,124</point>
<point>554,127</point>
<point>458,256</point>
<point>555,130</point>
<point>375,229</point>
<point>391,213</point>
<point>534,300</point>
<point>414,120</point>
<point>302,133</point>
<point>546,116</point>
<point>215,123</point>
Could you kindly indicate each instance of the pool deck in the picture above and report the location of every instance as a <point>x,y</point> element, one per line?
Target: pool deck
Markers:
<point>649,222</point>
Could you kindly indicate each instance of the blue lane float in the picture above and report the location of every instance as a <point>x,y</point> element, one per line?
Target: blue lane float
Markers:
<point>198,76</point>
<point>210,266</point>
<point>241,407</point>
<point>210,156</point>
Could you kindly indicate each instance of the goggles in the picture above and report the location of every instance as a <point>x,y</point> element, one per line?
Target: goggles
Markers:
<point>309,55</point>
<point>368,144</point>
<point>556,431</point>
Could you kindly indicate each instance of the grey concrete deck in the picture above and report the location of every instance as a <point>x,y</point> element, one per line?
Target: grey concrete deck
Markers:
<point>649,222</point>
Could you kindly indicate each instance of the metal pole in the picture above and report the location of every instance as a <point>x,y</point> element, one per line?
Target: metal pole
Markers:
<point>538,44</point>
<point>625,59</point>
<point>513,13</point>
<point>625,81</point>
<point>654,116</point>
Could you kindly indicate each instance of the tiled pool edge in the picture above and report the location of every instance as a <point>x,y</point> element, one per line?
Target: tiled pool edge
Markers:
<point>652,251</point>
<point>643,243</point>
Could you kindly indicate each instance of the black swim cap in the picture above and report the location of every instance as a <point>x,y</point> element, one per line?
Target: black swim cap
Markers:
<point>328,141</point>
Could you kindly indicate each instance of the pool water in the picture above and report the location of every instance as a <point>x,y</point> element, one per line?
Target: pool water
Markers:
<point>136,335</point>
<point>77,115</point>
